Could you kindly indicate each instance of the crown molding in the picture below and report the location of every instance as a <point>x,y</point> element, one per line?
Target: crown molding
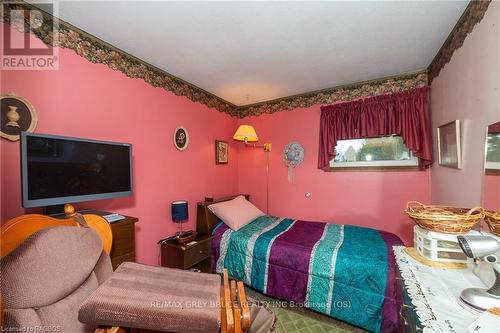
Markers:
<point>337,94</point>
<point>471,16</point>
<point>98,51</point>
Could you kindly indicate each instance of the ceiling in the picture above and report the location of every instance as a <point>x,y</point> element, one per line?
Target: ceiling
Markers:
<point>248,52</point>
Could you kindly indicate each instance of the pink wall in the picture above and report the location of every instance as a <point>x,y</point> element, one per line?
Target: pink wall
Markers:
<point>468,88</point>
<point>372,199</point>
<point>87,100</point>
<point>491,192</point>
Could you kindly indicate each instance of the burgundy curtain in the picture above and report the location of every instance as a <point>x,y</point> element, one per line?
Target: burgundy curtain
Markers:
<point>494,128</point>
<point>405,114</point>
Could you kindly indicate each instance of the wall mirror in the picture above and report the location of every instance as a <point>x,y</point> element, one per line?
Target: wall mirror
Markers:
<point>491,179</point>
<point>493,150</point>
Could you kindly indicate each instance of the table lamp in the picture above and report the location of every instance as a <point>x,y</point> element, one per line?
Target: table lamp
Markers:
<point>180,214</point>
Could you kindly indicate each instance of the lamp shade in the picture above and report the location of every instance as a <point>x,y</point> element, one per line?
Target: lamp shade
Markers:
<point>179,211</point>
<point>245,133</point>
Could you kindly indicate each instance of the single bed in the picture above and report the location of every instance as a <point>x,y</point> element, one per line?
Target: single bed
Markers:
<point>346,272</point>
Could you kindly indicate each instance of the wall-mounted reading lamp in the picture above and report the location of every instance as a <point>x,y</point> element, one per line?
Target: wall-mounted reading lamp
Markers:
<point>247,134</point>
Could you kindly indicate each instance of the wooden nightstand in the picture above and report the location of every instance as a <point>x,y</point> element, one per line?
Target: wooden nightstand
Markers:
<point>182,256</point>
<point>408,319</point>
<point>428,297</point>
<point>123,248</point>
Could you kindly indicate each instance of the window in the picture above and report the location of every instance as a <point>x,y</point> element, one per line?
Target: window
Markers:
<point>493,153</point>
<point>373,153</point>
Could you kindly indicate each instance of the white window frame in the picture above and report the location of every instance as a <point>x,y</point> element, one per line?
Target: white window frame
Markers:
<point>412,163</point>
<point>492,168</point>
<point>493,165</point>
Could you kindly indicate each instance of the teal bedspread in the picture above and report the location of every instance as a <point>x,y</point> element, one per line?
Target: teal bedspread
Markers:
<point>346,272</point>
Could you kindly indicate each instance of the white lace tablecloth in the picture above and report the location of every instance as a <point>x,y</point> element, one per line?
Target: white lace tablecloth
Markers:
<point>435,291</point>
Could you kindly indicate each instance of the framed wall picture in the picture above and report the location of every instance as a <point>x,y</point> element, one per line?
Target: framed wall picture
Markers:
<point>181,138</point>
<point>17,115</point>
<point>221,152</point>
<point>449,147</point>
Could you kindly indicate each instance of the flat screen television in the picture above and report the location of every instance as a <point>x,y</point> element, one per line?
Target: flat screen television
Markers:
<point>56,170</point>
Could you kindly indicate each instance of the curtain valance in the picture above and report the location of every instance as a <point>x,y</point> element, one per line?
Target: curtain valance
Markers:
<point>404,113</point>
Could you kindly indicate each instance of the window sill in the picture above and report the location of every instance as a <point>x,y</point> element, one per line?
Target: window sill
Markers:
<point>375,168</point>
<point>492,172</point>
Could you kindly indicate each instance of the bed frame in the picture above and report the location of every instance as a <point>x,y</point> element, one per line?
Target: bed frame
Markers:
<point>206,221</point>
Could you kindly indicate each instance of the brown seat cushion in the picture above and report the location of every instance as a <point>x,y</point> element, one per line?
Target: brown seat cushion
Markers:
<point>155,298</point>
<point>48,266</point>
<point>46,278</point>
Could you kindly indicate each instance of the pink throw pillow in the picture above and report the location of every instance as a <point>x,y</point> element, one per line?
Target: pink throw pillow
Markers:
<point>236,213</point>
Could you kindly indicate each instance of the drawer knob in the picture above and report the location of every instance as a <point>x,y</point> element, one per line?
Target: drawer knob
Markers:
<point>201,251</point>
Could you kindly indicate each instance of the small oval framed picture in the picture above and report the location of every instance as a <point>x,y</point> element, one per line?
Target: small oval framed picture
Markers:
<point>181,138</point>
<point>17,115</point>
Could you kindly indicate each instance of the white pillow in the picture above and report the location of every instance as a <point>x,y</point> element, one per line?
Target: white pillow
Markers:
<point>236,213</point>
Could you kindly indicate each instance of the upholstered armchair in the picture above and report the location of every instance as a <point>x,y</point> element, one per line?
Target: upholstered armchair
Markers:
<point>56,276</point>
<point>49,267</point>
<point>46,278</point>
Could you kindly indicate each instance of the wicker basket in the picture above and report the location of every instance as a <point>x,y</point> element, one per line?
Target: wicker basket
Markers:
<point>450,220</point>
<point>492,218</point>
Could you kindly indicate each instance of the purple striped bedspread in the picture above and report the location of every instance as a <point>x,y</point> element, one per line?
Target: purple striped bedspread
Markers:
<point>343,271</point>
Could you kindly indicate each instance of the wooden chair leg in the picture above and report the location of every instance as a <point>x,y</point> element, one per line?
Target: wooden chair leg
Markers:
<point>235,313</point>
<point>233,291</point>
<point>245,310</point>
<point>229,316</point>
<point>237,320</point>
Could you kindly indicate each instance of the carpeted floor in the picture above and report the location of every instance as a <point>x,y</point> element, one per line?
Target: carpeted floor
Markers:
<point>301,320</point>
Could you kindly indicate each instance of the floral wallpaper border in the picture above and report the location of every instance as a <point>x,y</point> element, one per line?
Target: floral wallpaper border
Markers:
<point>338,94</point>
<point>98,51</point>
<point>472,15</point>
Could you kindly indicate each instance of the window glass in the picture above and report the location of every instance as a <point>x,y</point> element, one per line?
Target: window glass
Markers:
<point>386,151</point>
<point>493,151</point>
